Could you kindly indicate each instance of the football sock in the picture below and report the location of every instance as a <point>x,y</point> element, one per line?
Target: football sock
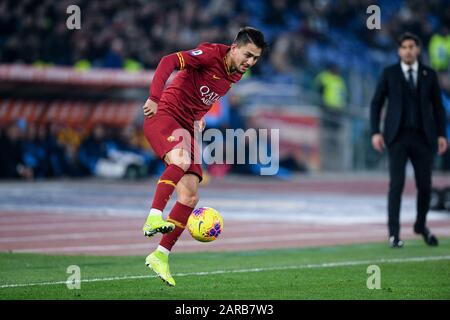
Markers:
<point>163,250</point>
<point>155,212</point>
<point>179,216</point>
<point>166,184</point>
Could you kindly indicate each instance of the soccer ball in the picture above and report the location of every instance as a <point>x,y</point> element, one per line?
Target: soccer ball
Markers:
<point>205,224</point>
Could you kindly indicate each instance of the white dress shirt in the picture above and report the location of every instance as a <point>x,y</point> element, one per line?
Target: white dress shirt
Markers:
<point>415,72</point>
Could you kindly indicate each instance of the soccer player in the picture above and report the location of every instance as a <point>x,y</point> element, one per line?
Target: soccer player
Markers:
<point>206,73</point>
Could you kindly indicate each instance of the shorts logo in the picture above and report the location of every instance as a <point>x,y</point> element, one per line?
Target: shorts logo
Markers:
<point>171,139</point>
<point>196,52</point>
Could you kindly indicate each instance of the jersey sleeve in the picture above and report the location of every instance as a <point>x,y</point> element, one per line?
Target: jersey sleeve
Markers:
<point>165,68</point>
<point>202,56</point>
<point>197,58</point>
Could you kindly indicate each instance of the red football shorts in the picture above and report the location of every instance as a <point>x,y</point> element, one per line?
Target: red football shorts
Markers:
<point>164,134</point>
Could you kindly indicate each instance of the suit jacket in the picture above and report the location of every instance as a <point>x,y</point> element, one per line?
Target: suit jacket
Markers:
<point>432,110</point>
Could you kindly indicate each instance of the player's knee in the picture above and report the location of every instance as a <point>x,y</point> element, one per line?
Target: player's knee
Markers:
<point>183,165</point>
<point>188,199</point>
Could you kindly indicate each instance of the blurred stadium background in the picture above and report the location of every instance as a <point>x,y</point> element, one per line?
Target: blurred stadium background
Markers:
<point>70,115</point>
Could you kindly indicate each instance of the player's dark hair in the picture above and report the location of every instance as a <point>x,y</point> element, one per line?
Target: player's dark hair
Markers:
<point>250,35</point>
<point>408,36</point>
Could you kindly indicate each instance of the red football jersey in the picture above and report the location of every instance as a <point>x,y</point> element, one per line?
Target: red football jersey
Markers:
<point>203,78</point>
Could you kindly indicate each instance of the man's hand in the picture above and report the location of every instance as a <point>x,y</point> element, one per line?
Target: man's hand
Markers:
<point>150,107</point>
<point>201,124</point>
<point>442,145</point>
<point>378,142</point>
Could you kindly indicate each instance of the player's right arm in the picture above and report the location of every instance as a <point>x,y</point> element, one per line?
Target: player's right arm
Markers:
<point>195,58</point>
<point>165,68</point>
<point>150,107</point>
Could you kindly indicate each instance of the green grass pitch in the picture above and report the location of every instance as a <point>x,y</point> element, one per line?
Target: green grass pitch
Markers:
<point>413,272</point>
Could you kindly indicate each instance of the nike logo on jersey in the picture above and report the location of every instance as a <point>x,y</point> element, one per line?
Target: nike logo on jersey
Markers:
<point>216,77</point>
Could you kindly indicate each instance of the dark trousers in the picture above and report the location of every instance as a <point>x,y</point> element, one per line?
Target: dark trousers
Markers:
<point>412,145</point>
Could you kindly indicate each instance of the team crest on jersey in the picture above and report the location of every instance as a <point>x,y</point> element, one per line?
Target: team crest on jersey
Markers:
<point>196,52</point>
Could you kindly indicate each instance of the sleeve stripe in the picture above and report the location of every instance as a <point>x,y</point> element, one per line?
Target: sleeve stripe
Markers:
<point>180,57</point>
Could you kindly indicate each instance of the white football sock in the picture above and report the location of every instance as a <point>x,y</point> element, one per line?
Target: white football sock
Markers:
<point>155,212</point>
<point>163,250</point>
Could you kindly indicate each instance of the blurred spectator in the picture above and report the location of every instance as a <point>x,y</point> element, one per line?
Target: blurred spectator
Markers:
<point>115,56</point>
<point>12,163</point>
<point>103,154</point>
<point>304,36</point>
<point>140,32</point>
<point>287,53</point>
<point>35,153</point>
<point>439,49</point>
<point>333,93</point>
<point>333,89</point>
<point>61,161</point>
<point>69,140</point>
<point>126,146</point>
<point>45,155</point>
<point>92,149</point>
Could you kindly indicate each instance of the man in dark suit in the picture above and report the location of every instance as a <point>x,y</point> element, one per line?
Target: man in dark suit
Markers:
<point>414,127</point>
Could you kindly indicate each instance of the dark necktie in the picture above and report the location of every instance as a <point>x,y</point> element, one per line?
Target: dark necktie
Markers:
<point>413,108</point>
<point>412,85</point>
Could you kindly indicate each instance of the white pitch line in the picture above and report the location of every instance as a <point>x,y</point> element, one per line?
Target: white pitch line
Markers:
<point>252,270</point>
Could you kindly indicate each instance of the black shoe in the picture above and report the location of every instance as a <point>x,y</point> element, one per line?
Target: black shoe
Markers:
<point>429,238</point>
<point>395,242</point>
